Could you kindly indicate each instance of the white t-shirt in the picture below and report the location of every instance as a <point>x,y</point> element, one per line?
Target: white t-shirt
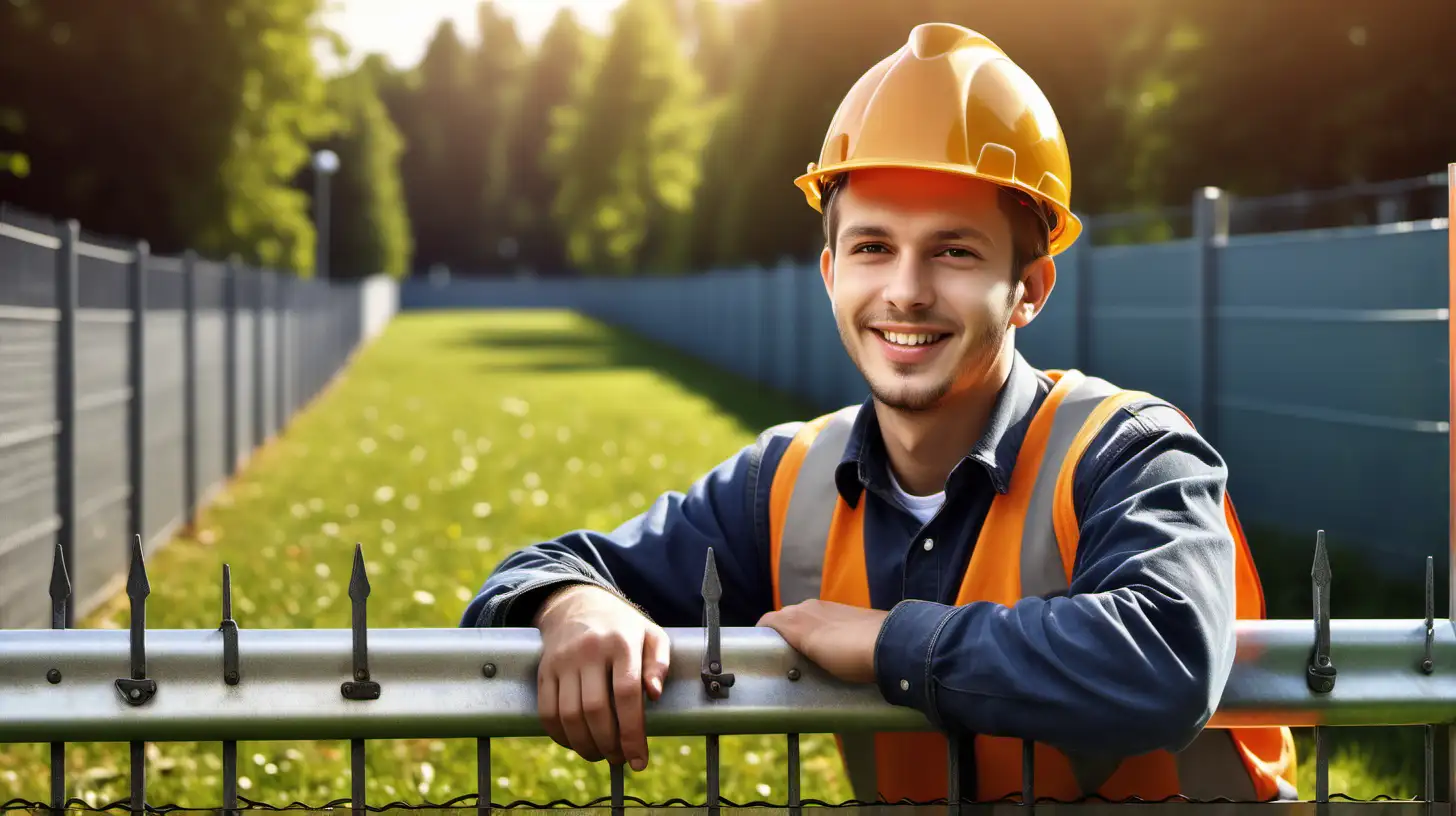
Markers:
<point>922,507</point>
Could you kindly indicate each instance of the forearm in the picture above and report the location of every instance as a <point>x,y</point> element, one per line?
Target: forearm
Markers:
<point>655,560</point>
<point>1124,671</point>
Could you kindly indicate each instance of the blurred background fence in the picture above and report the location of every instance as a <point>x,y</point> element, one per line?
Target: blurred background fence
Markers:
<point>1315,358</point>
<point>132,386</point>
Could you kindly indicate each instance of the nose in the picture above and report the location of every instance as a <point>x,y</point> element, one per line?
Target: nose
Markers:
<point>909,287</point>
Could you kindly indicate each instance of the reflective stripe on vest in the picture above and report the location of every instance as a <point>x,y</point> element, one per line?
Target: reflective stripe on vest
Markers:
<point>818,552</point>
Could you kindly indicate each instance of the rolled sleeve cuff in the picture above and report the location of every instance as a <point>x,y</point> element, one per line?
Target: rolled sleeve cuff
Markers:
<point>903,652</point>
<point>517,608</point>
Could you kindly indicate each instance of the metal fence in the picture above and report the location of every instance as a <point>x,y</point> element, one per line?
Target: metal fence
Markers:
<point>1316,361</point>
<point>358,684</point>
<point>132,386</point>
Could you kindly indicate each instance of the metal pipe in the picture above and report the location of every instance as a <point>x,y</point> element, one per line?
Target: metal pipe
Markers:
<point>433,685</point>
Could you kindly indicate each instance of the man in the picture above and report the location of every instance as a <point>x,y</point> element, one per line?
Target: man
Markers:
<point>1019,554</point>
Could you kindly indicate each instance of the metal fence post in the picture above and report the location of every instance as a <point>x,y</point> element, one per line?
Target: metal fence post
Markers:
<point>1444,736</point>
<point>260,428</point>
<point>136,370</point>
<point>67,287</point>
<point>230,366</point>
<point>1211,228</point>
<point>189,385</point>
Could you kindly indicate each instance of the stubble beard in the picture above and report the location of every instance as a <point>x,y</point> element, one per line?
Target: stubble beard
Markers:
<point>980,354</point>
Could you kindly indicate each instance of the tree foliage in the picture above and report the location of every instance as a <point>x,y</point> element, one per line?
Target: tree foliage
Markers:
<point>626,152</point>
<point>369,228</point>
<point>670,143</point>
<point>180,122</point>
<point>526,201</point>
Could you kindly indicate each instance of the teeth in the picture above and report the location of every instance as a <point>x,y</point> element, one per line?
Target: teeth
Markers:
<point>909,339</point>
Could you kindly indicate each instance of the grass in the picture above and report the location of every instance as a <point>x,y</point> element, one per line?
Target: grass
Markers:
<point>454,439</point>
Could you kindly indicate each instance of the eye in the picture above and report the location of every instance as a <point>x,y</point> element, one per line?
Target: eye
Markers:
<point>962,252</point>
<point>870,248</point>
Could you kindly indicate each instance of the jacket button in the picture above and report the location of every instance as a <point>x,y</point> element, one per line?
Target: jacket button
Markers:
<point>904,685</point>
<point>929,544</point>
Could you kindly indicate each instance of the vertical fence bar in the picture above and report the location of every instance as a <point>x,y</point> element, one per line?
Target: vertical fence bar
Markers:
<point>189,386</point>
<point>260,427</point>
<point>1211,216</point>
<point>67,272</point>
<point>619,789</point>
<point>795,798</point>
<point>1028,773</point>
<point>138,778</point>
<point>137,377</point>
<point>482,775</point>
<point>230,366</point>
<point>957,757</point>
<point>713,765</point>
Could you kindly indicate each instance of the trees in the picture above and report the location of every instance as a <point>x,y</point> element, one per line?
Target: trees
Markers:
<point>626,149</point>
<point>369,225</point>
<point>670,144</point>
<point>178,122</point>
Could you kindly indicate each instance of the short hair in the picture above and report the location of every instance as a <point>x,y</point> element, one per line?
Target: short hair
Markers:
<point>1030,222</point>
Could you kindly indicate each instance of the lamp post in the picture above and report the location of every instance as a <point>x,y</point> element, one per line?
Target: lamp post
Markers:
<point>325,164</point>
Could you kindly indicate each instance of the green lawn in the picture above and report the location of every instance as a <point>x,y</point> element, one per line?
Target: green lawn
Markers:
<point>452,440</point>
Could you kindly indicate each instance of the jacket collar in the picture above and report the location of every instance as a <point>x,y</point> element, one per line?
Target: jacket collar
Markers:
<point>865,464</point>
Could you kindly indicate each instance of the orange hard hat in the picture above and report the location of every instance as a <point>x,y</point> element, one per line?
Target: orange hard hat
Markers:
<point>950,100</point>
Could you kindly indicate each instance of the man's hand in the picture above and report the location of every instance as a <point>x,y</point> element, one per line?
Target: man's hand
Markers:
<point>837,637</point>
<point>598,654</point>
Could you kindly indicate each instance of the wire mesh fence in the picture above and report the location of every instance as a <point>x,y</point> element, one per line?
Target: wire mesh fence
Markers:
<point>134,386</point>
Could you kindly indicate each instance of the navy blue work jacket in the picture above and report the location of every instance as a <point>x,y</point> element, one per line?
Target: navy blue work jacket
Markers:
<point>1132,659</point>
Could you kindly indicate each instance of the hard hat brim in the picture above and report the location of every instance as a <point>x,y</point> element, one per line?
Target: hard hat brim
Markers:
<point>1069,226</point>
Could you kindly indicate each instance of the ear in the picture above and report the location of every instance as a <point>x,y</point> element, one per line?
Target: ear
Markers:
<point>826,271</point>
<point>1036,286</point>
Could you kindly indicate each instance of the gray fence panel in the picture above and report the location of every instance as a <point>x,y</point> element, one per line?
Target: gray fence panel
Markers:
<point>1332,361</point>
<point>785,348</point>
<point>31,522</point>
<point>1141,324</point>
<point>28,521</point>
<point>243,372</point>
<point>28,329</point>
<point>165,417</point>
<point>268,325</point>
<point>102,405</point>
<point>212,467</point>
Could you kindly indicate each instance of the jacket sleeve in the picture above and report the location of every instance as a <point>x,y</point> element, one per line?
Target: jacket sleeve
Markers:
<point>1134,658</point>
<point>656,560</point>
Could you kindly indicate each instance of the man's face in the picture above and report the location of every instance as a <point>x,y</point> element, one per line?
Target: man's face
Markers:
<point>922,285</point>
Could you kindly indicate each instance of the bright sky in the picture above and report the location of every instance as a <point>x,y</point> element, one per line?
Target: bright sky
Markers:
<point>400,29</point>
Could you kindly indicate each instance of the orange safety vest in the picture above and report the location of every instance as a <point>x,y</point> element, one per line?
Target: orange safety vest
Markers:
<point>1026,548</point>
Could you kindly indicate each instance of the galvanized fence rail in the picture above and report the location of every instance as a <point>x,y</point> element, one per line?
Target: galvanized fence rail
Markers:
<point>132,387</point>
<point>68,685</point>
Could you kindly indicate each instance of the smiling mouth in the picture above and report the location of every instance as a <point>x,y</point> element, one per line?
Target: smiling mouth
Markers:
<point>911,340</point>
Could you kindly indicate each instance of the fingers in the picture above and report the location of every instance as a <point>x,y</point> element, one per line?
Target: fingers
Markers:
<point>548,707</point>
<point>591,687</point>
<point>601,722</point>
<point>573,716</point>
<point>630,718</point>
<point>656,650</point>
